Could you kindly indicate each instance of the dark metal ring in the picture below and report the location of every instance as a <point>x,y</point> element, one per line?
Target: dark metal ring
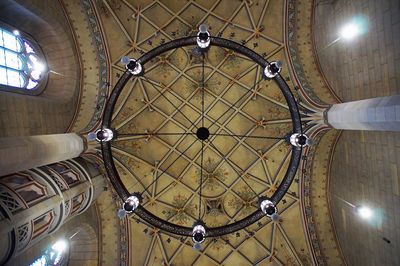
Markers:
<point>155,220</point>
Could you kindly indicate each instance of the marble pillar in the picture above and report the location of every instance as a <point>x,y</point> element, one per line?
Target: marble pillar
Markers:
<point>381,114</point>
<point>23,153</point>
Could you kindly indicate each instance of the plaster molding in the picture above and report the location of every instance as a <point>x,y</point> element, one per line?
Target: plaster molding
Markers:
<point>303,59</point>
<point>315,201</point>
<point>95,64</point>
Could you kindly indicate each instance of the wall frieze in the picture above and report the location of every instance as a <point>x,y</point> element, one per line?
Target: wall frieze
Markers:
<point>313,87</point>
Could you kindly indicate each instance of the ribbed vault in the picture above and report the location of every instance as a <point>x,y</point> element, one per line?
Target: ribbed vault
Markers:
<point>169,94</point>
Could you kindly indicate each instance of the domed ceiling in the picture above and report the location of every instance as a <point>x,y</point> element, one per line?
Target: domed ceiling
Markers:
<point>164,108</point>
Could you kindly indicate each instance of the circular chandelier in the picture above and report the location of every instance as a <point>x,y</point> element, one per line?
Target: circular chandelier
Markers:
<point>132,202</point>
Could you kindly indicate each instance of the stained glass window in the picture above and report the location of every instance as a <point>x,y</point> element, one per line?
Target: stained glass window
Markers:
<point>57,254</point>
<point>20,65</point>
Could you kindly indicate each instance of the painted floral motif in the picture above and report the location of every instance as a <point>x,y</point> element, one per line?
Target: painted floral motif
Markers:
<point>219,243</point>
<point>246,200</point>
<point>114,4</point>
<point>212,175</point>
<point>214,207</point>
<point>211,85</point>
<point>231,61</point>
<point>181,212</point>
<point>124,114</point>
<point>128,162</point>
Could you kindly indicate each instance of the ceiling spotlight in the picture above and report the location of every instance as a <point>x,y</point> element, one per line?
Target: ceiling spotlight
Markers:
<point>357,26</point>
<point>132,65</point>
<point>16,32</point>
<point>198,234</point>
<point>268,208</point>
<point>102,135</point>
<point>272,69</point>
<point>349,31</point>
<point>364,212</point>
<point>203,37</point>
<point>299,140</point>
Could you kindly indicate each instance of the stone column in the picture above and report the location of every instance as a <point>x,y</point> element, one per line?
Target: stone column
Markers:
<point>381,114</point>
<point>37,202</point>
<point>23,153</point>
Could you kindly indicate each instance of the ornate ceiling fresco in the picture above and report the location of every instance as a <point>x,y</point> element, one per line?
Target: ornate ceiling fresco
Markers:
<point>237,101</point>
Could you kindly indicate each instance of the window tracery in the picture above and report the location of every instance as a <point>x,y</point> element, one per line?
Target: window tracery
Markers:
<point>21,64</point>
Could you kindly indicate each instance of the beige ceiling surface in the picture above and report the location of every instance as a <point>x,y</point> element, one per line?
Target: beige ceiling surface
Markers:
<point>168,99</point>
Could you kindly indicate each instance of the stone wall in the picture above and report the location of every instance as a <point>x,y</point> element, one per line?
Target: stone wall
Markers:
<point>365,164</point>
<point>53,110</point>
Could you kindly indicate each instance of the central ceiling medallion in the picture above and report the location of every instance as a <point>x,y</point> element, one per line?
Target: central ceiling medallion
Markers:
<point>202,133</point>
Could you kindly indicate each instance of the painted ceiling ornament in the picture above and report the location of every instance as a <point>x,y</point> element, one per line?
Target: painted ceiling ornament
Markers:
<point>163,64</point>
<point>182,212</point>
<point>198,87</point>
<point>200,126</point>
<point>230,57</point>
<point>213,175</point>
<point>214,207</point>
<point>126,161</point>
<point>219,243</point>
<point>246,200</point>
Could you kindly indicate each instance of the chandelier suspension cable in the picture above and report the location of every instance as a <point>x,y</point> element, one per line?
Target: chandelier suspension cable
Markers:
<point>201,175</point>
<point>202,124</point>
<point>162,94</point>
<point>202,94</point>
<point>245,136</point>
<point>233,165</point>
<point>146,134</point>
<point>166,169</point>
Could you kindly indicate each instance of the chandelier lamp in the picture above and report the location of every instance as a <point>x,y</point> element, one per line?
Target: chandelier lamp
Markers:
<point>103,134</point>
<point>198,234</point>
<point>133,203</point>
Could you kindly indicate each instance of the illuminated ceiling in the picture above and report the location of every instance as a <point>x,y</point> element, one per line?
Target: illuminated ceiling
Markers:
<point>173,80</point>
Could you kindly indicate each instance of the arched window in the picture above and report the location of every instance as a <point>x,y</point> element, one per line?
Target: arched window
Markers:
<point>22,65</point>
<point>56,254</point>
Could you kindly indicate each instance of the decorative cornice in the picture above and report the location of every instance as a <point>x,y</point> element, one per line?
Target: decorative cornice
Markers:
<point>317,62</point>
<point>305,172</point>
<point>315,175</point>
<point>79,58</point>
<point>336,140</point>
<point>102,56</point>
<point>301,55</point>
